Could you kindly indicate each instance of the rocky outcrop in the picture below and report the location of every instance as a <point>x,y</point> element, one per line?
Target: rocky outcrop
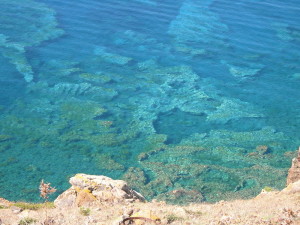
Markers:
<point>292,188</point>
<point>294,171</point>
<point>4,203</point>
<point>90,189</point>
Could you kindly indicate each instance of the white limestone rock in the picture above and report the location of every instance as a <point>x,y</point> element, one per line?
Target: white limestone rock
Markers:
<point>87,189</point>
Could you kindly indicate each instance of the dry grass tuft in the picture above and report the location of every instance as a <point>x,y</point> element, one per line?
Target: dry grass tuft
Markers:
<point>34,206</point>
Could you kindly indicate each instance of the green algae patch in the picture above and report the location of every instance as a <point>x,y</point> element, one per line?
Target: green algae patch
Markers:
<point>99,78</point>
<point>106,162</point>
<point>80,110</point>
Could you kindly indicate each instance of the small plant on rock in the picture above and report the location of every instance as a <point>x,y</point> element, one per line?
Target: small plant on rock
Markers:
<point>45,191</point>
<point>171,218</point>
<point>268,189</point>
<point>27,221</point>
<point>194,213</point>
<point>85,211</point>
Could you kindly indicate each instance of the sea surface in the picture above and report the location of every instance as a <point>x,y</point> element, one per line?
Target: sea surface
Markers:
<point>186,100</point>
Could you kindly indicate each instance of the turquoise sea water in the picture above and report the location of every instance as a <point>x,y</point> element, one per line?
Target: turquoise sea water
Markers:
<point>197,96</point>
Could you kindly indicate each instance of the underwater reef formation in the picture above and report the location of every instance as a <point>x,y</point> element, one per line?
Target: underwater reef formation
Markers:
<point>110,57</point>
<point>198,31</point>
<point>221,165</point>
<point>197,26</point>
<point>285,32</point>
<point>245,70</point>
<point>17,33</point>
<point>100,126</point>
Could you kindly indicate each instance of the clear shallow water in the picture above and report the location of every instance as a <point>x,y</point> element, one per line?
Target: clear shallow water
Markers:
<point>167,95</point>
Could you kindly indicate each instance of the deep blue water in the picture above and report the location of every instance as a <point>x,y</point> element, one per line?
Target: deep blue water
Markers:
<point>167,95</point>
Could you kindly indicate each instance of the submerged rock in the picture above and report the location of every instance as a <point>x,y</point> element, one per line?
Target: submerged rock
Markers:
<point>33,22</point>
<point>111,57</point>
<point>90,189</point>
<point>233,109</point>
<point>197,24</point>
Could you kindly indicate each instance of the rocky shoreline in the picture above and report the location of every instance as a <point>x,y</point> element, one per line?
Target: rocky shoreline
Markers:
<point>103,201</point>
